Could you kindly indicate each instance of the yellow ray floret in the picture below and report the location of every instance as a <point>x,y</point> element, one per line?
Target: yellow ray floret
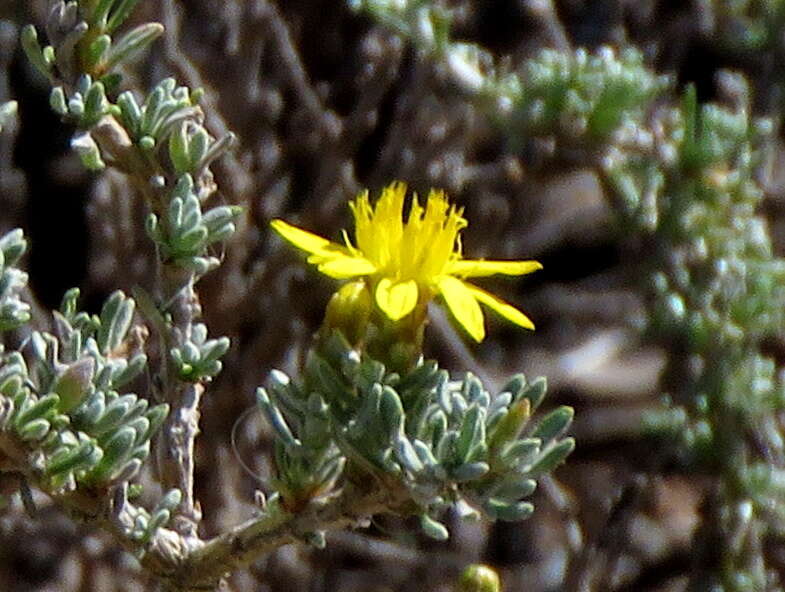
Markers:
<point>407,260</point>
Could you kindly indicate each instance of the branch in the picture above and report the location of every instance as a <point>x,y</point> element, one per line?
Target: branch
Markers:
<point>276,527</point>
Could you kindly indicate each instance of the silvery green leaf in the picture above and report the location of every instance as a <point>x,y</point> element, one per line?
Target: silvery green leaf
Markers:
<point>120,12</point>
<point>95,105</point>
<point>141,425</point>
<point>128,471</point>
<point>150,110</point>
<point>13,245</point>
<point>39,409</point>
<point>407,455</point>
<point>111,310</point>
<point>367,420</point>
<point>199,140</point>
<point>34,430</point>
<point>156,415</point>
<point>189,353</point>
<point>391,411</point>
<point>433,529</point>
<point>38,345</point>
<point>515,386</point>
<point>553,425</point>
<point>117,450</point>
<point>514,487</point>
<point>101,12</point>
<point>444,395</point>
<point>445,448</point>
<point>67,460</point>
<point>508,511</point>
<point>216,149</point>
<point>90,413</point>
<point>131,370</point>
<point>141,523</point>
<point>276,419</point>
<point>214,349</point>
<point>130,113</point>
<point>170,501</point>
<point>471,389</point>
<point>117,412</point>
<point>552,457</point>
<point>57,101</point>
<point>500,402</point>
<point>179,149</point>
<point>469,471</point>
<point>133,43</point>
<point>97,51</point>
<point>65,58</point>
<point>158,519</point>
<point>142,451</point>
<point>10,386</point>
<point>520,451</point>
<point>425,455</point>
<point>437,426</point>
<point>535,392</point>
<point>472,432</point>
<point>32,49</point>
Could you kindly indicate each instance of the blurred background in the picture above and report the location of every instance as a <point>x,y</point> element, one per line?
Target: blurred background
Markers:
<point>325,102</point>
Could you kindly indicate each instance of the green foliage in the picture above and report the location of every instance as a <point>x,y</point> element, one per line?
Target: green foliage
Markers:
<point>578,96</point>
<point>142,524</point>
<point>86,105</point>
<point>198,358</point>
<point>428,441</point>
<point>444,442</point>
<point>184,234</point>
<point>162,110</point>
<point>83,430</point>
<point>718,294</point>
<point>80,41</point>
<point>14,312</point>
<point>422,21</point>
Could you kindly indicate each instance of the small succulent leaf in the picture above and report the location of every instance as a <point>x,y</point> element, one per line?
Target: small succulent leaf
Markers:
<point>534,392</point>
<point>508,511</point>
<point>552,457</point>
<point>133,43</point>
<point>553,424</point>
<point>433,529</point>
<point>35,430</point>
<point>277,420</point>
<point>117,450</point>
<point>40,409</point>
<point>469,471</point>
<point>121,10</point>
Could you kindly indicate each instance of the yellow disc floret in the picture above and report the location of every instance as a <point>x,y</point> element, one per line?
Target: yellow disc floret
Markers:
<point>407,260</point>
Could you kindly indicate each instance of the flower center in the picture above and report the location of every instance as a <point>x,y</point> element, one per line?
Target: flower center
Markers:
<point>417,249</point>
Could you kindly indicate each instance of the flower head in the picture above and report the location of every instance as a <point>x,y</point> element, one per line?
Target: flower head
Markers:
<point>405,262</point>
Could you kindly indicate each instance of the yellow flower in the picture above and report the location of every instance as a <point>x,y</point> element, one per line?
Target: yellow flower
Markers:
<point>406,263</point>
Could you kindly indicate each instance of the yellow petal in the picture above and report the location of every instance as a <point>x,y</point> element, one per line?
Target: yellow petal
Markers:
<point>396,299</point>
<point>342,267</point>
<point>463,305</point>
<point>508,311</point>
<point>302,239</point>
<point>480,268</point>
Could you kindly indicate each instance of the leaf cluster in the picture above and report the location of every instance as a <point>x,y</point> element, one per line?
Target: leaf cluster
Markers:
<point>444,442</point>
